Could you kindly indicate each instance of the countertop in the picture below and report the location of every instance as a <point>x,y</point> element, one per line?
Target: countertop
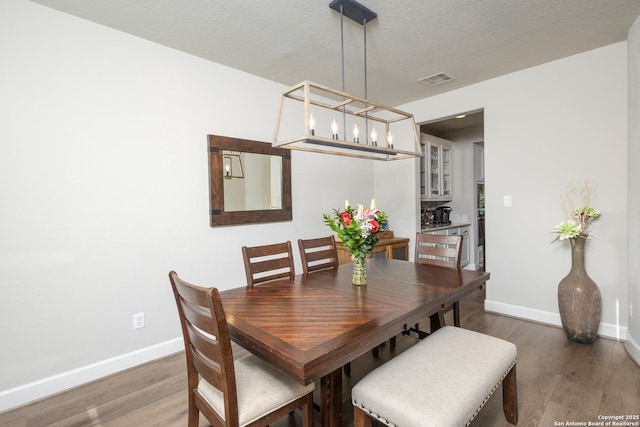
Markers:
<point>436,227</point>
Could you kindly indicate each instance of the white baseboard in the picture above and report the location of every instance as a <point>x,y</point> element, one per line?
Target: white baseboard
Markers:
<point>608,330</point>
<point>26,393</point>
<point>633,349</point>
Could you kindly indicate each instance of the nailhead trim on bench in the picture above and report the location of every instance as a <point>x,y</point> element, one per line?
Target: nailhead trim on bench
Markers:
<point>491,393</point>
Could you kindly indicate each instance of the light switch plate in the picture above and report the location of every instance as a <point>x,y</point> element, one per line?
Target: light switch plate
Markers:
<point>507,201</point>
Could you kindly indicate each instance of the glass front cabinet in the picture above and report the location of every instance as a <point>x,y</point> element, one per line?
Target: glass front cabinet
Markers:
<point>436,168</point>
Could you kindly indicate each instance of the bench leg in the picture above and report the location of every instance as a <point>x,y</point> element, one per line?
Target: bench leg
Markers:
<point>360,418</point>
<point>510,396</point>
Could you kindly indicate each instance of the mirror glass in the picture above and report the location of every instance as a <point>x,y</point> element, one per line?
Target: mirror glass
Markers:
<point>252,182</point>
<point>249,181</point>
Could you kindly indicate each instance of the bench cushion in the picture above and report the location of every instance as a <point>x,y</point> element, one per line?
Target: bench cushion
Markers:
<point>444,380</point>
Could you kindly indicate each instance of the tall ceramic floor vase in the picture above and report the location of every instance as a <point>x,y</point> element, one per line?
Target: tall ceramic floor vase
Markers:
<point>579,298</point>
<point>359,270</point>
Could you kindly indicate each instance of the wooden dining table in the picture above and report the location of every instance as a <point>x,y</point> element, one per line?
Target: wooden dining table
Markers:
<point>311,326</point>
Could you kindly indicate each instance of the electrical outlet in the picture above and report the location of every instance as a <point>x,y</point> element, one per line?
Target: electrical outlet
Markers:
<point>138,320</point>
<point>507,201</point>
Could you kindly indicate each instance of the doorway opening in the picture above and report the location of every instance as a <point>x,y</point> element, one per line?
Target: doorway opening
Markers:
<point>465,133</point>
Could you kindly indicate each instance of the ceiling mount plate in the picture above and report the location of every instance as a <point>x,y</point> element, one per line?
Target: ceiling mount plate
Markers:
<point>354,11</point>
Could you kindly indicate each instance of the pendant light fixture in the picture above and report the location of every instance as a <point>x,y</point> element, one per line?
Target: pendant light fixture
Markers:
<point>324,120</point>
<point>232,165</point>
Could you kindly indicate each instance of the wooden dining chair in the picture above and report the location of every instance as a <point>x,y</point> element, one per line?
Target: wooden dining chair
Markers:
<point>321,254</point>
<point>268,262</point>
<point>442,250</point>
<point>318,254</point>
<point>248,391</point>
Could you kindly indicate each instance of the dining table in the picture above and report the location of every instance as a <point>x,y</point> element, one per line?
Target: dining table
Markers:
<point>311,326</point>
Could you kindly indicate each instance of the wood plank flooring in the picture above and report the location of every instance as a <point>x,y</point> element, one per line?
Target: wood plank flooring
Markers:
<point>558,382</point>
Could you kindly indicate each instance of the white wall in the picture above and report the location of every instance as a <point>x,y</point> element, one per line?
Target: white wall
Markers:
<point>103,165</point>
<point>633,160</point>
<point>545,126</point>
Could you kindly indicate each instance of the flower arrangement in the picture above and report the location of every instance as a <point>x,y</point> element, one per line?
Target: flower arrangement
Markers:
<point>582,217</point>
<point>357,229</point>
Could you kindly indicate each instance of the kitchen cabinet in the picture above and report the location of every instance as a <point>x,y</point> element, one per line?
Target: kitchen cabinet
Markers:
<point>436,168</point>
<point>464,230</point>
<point>478,159</point>
<point>388,246</point>
<point>465,256</point>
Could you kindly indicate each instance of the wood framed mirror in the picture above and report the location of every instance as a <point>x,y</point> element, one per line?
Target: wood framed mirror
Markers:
<point>249,182</point>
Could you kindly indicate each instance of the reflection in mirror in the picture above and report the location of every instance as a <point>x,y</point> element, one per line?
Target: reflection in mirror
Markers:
<point>261,187</point>
<point>249,181</point>
<point>232,163</point>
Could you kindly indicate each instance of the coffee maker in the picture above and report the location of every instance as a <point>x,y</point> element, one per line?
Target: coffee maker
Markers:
<point>441,215</point>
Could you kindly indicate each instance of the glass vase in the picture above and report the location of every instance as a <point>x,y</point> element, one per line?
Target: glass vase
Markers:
<point>359,270</point>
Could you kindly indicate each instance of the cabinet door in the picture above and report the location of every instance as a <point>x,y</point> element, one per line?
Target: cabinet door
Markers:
<point>446,174</point>
<point>479,162</point>
<point>423,171</point>
<point>434,170</point>
<point>465,257</point>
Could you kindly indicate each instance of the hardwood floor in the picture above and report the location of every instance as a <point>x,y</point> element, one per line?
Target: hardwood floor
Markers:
<point>558,381</point>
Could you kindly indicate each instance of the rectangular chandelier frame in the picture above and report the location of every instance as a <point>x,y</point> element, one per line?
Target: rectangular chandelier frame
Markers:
<point>324,99</point>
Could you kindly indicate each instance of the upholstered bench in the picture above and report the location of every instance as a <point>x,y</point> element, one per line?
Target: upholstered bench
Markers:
<point>444,380</point>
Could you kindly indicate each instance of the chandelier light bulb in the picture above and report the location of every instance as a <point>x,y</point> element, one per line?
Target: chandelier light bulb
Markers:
<point>312,124</point>
<point>334,129</point>
<point>374,137</point>
<point>356,133</point>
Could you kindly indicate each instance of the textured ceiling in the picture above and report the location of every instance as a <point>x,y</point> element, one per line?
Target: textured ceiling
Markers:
<point>289,41</point>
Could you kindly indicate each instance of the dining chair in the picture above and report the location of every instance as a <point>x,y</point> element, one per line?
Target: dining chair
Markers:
<point>268,262</point>
<point>321,254</point>
<point>442,250</point>
<point>318,254</point>
<point>247,391</point>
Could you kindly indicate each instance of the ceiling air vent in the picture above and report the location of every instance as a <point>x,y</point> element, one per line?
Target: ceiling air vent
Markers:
<point>436,79</point>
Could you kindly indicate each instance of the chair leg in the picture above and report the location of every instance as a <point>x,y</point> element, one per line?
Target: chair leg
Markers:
<point>194,413</point>
<point>347,369</point>
<point>456,313</point>
<point>360,418</point>
<point>307,412</point>
<point>510,396</point>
